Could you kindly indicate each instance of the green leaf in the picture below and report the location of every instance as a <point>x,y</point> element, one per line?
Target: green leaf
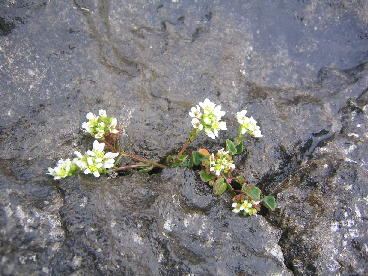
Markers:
<point>253,192</point>
<point>182,157</point>
<point>211,183</point>
<point>231,147</point>
<point>176,164</point>
<point>220,186</point>
<point>187,163</point>
<point>197,157</point>
<point>193,134</point>
<point>229,187</point>
<point>146,169</point>
<point>169,159</point>
<point>240,148</point>
<point>205,176</point>
<point>269,202</point>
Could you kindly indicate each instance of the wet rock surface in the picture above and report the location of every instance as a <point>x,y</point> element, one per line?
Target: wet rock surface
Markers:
<point>299,67</point>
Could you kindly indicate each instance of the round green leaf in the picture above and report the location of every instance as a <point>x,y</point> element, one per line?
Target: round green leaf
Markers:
<point>205,176</point>
<point>197,157</point>
<point>253,192</point>
<point>269,202</point>
<point>231,147</point>
<point>220,186</point>
<point>240,148</point>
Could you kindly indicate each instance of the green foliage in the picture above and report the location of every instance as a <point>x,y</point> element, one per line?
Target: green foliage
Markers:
<point>234,148</point>
<point>206,177</point>
<point>253,192</point>
<point>240,148</point>
<point>217,169</point>
<point>231,147</point>
<point>179,161</point>
<point>193,134</point>
<point>197,158</point>
<point>220,186</point>
<point>269,202</point>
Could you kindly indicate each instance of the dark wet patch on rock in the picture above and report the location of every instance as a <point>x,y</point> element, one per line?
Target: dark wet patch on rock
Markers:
<point>299,67</point>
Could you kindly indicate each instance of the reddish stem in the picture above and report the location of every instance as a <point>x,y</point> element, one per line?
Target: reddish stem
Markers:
<point>134,157</point>
<point>130,167</point>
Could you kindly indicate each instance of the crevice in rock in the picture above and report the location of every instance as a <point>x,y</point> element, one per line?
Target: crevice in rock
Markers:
<point>295,163</point>
<point>61,192</point>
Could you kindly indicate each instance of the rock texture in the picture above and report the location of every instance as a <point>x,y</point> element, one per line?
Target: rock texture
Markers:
<point>299,67</point>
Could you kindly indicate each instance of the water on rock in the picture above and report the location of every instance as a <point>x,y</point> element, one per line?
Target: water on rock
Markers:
<point>300,68</point>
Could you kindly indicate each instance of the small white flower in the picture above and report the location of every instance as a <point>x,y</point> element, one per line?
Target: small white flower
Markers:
<point>240,116</point>
<point>63,169</point>
<point>98,146</point>
<point>257,133</point>
<point>86,126</point>
<point>111,155</point>
<point>208,119</point>
<point>78,154</point>
<point>222,125</point>
<point>87,171</point>
<point>195,112</point>
<point>207,105</point>
<point>222,152</point>
<point>221,163</point>
<point>197,124</point>
<point>113,123</point>
<point>102,113</point>
<point>96,161</point>
<point>210,133</point>
<point>248,125</point>
<point>99,126</point>
<point>218,112</point>
<point>89,161</point>
<point>236,207</point>
<point>246,206</point>
<point>90,116</point>
<point>90,153</point>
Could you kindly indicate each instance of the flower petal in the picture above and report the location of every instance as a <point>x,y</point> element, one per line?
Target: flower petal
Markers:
<point>90,116</point>
<point>98,146</point>
<point>109,155</point>
<point>102,113</point>
<point>78,154</point>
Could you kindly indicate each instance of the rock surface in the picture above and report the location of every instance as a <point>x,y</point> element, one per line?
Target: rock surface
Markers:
<point>299,67</point>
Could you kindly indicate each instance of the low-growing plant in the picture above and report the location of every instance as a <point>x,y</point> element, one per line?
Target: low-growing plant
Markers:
<point>216,169</point>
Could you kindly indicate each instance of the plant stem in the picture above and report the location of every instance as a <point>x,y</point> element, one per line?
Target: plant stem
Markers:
<point>239,138</point>
<point>130,167</point>
<point>192,136</point>
<point>108,145</point>
<point>146,161</point>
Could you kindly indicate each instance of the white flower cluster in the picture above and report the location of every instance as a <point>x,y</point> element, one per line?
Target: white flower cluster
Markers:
<point>64,168</point>
<point>99,126</point>
<point>222,162</point>
<point>248,125</point>
<point>95,161</point>
<point>246,207</point>
<point>209,120</point>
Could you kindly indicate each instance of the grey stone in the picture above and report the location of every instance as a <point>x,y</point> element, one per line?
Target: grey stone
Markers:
<point>299,68</point>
